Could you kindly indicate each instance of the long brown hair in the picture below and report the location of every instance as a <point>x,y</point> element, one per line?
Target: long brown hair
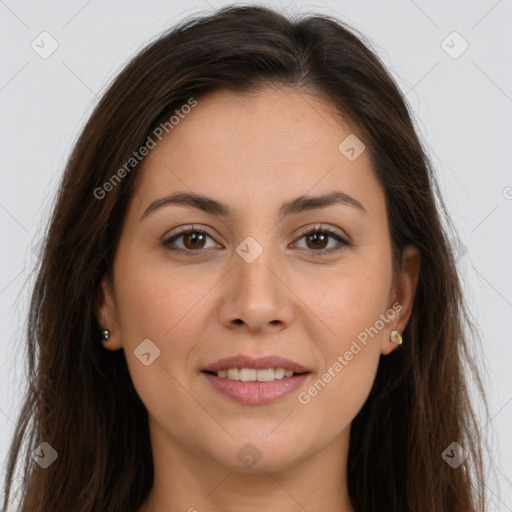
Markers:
<point>81,400</point>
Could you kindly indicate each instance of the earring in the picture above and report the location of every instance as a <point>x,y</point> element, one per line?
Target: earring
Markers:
<point>396,337</point>
<point>105,335</point>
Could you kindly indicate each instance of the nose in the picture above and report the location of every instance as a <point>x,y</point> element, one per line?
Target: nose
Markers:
<point>256,297</point>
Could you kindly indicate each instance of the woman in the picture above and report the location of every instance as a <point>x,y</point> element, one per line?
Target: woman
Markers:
<point>250,216</point>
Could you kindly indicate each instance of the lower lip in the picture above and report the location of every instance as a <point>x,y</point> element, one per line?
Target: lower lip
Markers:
<point>256,393</point>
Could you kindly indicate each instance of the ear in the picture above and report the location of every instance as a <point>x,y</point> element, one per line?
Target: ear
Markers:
<point>402,295</point>
<point>104,310</point>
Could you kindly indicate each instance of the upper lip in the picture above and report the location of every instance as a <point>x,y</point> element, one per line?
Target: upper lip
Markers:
<point>258,363</point>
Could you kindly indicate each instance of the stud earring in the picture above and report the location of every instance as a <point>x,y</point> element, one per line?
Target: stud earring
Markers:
<point>105,335</point>
<point>396,337</point>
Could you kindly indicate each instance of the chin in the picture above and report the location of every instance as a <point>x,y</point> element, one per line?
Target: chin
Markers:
<point>259,455</point>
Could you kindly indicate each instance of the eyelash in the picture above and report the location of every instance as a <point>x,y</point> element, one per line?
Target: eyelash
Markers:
<point>315,230</point>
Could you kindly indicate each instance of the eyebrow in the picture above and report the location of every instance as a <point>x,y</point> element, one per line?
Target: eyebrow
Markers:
<point>295,206</point>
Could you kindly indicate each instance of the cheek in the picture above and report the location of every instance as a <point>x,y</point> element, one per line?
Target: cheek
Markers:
<point>350,356</point>
<point>354,309</point>
<point>156,300</point>
<point>163,307</point>
<point>355,300</point>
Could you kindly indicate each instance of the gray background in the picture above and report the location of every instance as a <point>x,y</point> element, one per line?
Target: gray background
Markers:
<point>462,102</point>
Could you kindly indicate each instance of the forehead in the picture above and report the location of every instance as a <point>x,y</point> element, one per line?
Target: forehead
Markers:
<point>253,145</point>
<point>285,120</point>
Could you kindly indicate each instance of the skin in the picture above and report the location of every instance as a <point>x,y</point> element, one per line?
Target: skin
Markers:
<point>254,152</point>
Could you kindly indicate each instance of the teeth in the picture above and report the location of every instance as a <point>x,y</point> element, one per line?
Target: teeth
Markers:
<point>248,374</point>
<point>234,374</point>
<point>252,375</point>
<point>279,373</point>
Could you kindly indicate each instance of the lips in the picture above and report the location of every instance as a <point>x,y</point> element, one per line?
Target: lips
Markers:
<point>255,393</point>
<point>266,390</point>
<point>258,363</point>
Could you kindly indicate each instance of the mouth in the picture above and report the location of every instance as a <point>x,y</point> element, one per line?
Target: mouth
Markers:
<point>257,381</point>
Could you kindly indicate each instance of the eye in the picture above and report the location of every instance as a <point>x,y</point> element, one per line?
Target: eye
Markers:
<point>317,239</point>
<point>193,239</point>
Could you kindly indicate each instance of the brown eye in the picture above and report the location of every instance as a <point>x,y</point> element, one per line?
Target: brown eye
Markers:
<point>193,241</point>
<point>317,240</point>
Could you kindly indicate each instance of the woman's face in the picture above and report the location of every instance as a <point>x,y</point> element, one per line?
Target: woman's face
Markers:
<point>257,283</point>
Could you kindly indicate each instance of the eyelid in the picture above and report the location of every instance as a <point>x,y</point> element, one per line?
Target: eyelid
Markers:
<point>324,227</point>
<point>186,229</point>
